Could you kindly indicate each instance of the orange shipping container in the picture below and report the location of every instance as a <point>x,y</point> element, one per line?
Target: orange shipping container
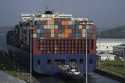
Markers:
<point>65,22</point>
<point>66,35</point>
<point>67,32</point>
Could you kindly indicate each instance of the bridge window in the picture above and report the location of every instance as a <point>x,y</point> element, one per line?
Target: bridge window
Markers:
<point>72,60</point>
<point>81,61</point>
<point>49,61</point>
<point>60,61</point>
<point>106,46</point>
<point>38,62</point>
<point>90,61</point>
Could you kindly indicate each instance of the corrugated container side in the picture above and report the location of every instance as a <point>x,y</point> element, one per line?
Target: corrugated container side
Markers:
<point>35,46</point>
<point>63,46</point>
<point>64,30</point>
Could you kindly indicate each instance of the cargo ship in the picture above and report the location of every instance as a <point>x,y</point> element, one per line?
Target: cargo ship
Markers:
<point>48,39</point>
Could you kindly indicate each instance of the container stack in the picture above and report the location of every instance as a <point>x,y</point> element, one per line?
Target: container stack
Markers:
<point>55,33</point>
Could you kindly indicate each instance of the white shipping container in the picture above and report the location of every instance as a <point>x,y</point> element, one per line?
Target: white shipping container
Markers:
<point>48,26</point>
<point>45,26</point>
<point>52,26</point>
<point>83,35</point>
<point>87,26</point>
<point>61,35</point>
<point>41,37</point>
<point>70,22</point>
<point>83,32</point>
<point>34,35</point>
<point>80,26</point>
<point>52,35</point>
<point>38,31</point>
<point>86,19</point>
<point>46,18</point>
<point>56,26</point>
<point>52,30</point>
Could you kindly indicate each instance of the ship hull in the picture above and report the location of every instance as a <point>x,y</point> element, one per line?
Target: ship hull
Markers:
<point>41,62</point>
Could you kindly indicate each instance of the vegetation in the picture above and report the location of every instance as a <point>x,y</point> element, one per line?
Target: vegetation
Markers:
<point>116,67</point>
<point>7,64</point>
<point>117,32</point>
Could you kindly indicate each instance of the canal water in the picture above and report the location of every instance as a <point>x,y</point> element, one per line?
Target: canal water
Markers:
<point>102,79</point>
<point>95,78</point>
<point>58,80</point>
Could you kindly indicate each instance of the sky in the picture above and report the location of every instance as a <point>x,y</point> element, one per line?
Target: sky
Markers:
<point>105,13</point>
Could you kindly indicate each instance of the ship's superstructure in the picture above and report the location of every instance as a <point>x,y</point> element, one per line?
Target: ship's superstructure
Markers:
<point>55,39</point>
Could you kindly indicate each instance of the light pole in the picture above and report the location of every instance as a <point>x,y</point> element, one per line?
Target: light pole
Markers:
<point>87,26</point>
<point>124,57</point>
<point>86,49</point>
<point>30,35</point>
<point>86,55</point>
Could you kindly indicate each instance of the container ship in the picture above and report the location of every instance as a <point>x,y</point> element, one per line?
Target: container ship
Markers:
<point>48,39</point>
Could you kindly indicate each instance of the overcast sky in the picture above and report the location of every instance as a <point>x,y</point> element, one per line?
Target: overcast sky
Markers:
<point>105,13</point>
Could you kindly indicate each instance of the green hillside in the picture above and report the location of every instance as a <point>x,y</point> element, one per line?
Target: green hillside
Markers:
<point>117,32</point>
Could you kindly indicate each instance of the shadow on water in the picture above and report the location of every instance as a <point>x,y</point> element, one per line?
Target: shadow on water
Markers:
<point>6,64</point>
<point>9,64</point>
<point>56,79</point>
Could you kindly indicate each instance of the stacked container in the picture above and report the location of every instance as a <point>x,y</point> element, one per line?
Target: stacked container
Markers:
<point>54,34</point>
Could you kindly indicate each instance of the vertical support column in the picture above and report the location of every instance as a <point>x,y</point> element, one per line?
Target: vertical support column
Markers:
<point>94,38</point>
